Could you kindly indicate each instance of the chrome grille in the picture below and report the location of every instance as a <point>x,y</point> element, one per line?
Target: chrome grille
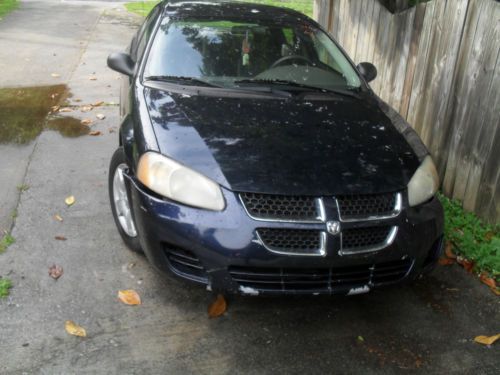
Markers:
<point>280,207</point>
<point>320,279</point>
<point>293,241</point>
<point>368,205</point>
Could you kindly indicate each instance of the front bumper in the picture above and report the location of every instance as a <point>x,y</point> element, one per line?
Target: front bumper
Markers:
<point>223,251</point>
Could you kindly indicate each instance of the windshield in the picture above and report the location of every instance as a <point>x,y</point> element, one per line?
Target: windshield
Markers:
<point>224,52</point>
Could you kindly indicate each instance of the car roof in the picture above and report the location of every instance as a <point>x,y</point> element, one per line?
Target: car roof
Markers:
<point>230,10</point>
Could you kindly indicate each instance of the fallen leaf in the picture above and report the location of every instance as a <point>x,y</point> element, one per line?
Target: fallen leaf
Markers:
<point>55,271</point>
<point>489,235</point>
<point>55,75</point>
<point>129,297</point>
<point>86,121</point>
<point>66,109</point>
<point>95,132</point>
<point>92,78</point>
<point>55,95</point>
<point>86,108</point>
<point>54,108</point>
<point>218,307</point>
<point>488,280</point>
<point>98,104</point>
<point>448,250</point>
<point>74,329</point>
<point>486,340</point>
<point>77,100</point>
<point>58,218</point>
<point>70,200</point>
<point>131,265</point>
<point>60,238</point>
<point>466,264</point>
<point>111,130</point>
<point>445,261</point>
<point>100,116</point>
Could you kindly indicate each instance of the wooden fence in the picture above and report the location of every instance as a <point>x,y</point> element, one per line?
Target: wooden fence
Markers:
<point>438,65</point>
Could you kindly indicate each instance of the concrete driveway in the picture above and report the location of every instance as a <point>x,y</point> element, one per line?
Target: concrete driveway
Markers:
<point>427,327</point>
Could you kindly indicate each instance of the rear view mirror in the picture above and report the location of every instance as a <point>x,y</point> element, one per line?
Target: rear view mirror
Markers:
<point>122,63</point>
<point>368,71</point>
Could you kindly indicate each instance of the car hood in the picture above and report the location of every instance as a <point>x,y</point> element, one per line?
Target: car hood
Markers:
<point>284,146</point>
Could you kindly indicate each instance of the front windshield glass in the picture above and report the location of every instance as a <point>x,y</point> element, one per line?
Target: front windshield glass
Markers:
<point>224,52</point>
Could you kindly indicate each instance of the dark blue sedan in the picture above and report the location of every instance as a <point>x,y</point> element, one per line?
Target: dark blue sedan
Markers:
<point>254,158</point>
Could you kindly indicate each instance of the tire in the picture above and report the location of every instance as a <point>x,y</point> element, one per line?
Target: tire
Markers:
<point>120,207</point>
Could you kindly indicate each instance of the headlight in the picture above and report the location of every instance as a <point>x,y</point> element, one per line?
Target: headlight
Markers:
<point>424,183</point>
<point>172,180</point>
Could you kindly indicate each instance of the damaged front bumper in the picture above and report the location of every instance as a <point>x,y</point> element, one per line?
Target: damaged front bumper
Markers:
<point>223,250</point>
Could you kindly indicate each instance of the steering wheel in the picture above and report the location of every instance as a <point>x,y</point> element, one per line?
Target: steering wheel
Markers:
<point>281,60</point>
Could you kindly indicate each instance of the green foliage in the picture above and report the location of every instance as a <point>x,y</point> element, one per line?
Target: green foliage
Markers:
<point>23,187</point>
<point>142,8</point>
<point>7,6</point>
<point>5,285</point>
<point>6,241</point>
<point>472,238</point>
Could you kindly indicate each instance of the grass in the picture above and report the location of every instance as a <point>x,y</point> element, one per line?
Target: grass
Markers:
<point>6,241</point>
<point>23,187</point>
<point>5,285</point>
<point>7,6</point>
<point>472,238</point>
<point>142,8</point>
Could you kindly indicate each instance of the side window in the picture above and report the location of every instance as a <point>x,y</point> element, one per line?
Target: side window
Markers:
<point>142,36</point>
<point>145,32</point>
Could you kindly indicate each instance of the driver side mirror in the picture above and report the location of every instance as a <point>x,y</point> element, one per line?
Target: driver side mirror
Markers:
<point>368,71</point>
<point>121,62</point>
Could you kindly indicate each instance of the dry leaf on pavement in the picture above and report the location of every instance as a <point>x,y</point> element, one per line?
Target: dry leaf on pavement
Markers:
<point>66,109</point>
<point>55,75</point>
<point>58,218</point>
<point>74,329</point>
<point>70,200</point>
<point>129,297</point>
<point>445,261</point>
<point>97,104</point>
<point>100,116</point>
<point>217,307</point>
<point>60,238</point>
<point>95,132</point>
<point>86,108</point>
<point>92,78</point>
<point>86,121</point>
<point>488,280</point>
<point>54,108</point>
<point>486,340</point>
<point>466,264</point>
<point>55,271</point>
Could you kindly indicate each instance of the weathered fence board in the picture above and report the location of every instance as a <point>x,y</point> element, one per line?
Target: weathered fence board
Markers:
<point>439,66</point>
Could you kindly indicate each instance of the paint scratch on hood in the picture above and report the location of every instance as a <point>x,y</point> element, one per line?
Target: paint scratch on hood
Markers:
<point>360,290</point>
<point>249,291</point>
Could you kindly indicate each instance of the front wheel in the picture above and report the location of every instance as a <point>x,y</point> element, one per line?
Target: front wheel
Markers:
<point>120,204</point>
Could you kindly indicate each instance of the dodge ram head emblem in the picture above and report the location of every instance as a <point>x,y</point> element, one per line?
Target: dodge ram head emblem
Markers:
<point>333,227</point>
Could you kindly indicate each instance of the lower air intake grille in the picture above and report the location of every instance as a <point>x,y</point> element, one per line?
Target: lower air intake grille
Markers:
<point>362,238</point>
<point>280,207</point>
<point>294,241</point>
<point>185,263</point>
<point>320,279</point>
<point>359,206</point>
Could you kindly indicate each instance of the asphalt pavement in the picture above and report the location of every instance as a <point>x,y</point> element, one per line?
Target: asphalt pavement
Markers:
<point>427,327</point>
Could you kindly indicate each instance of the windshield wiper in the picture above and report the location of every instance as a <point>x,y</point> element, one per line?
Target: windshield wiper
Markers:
<point>310,88</point>
<point>180,79</point>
